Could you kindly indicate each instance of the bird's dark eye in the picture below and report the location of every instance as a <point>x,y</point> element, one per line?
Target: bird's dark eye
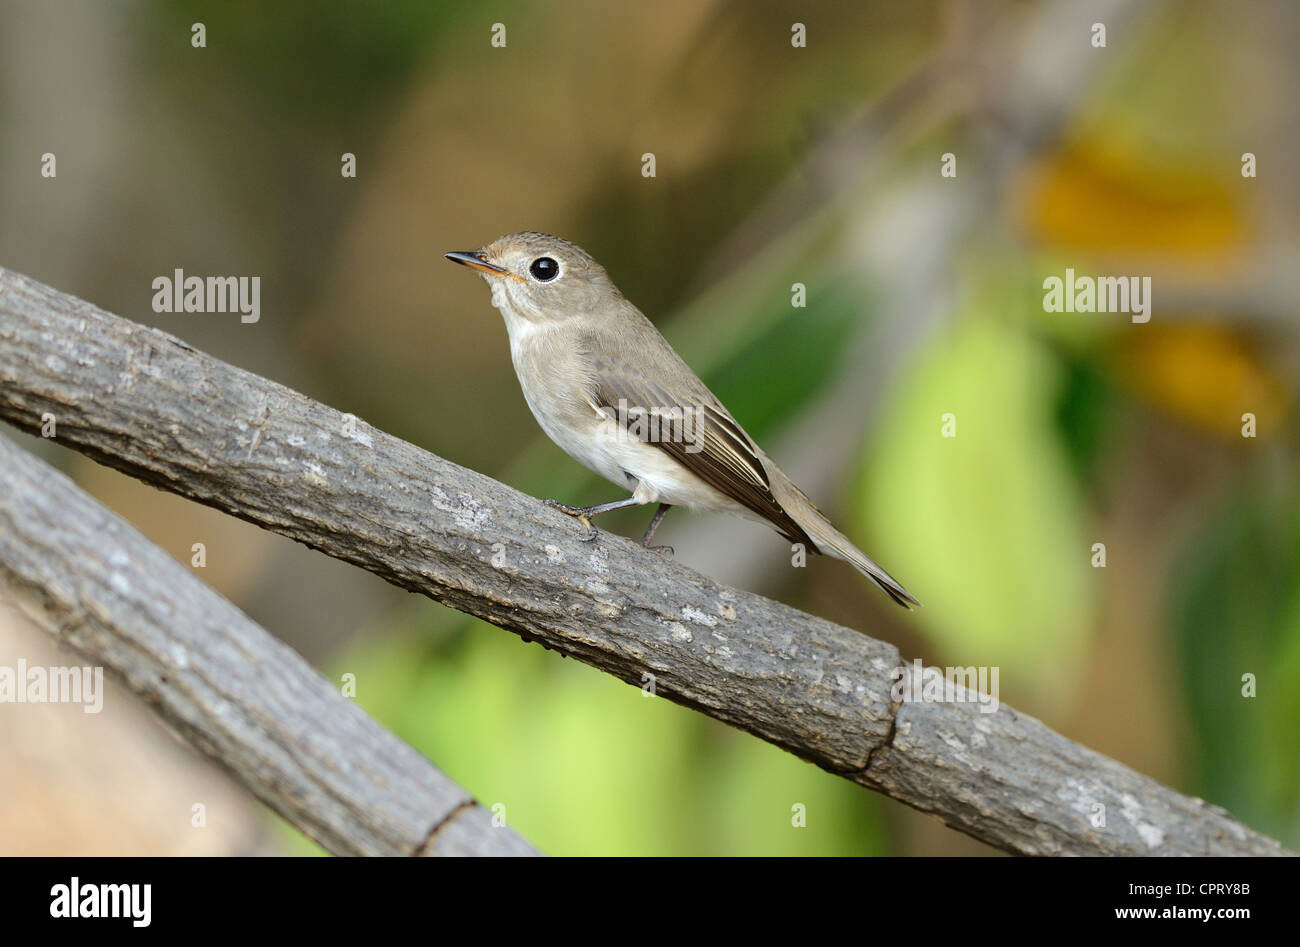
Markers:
<point>544,269</point>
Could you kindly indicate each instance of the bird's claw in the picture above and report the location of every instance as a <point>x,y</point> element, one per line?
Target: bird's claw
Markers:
<point>577,513</point>
<point>666,551</point>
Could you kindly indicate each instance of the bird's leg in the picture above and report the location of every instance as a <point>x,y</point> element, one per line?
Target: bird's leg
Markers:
<point>583,514</point>
<point>654,525</point>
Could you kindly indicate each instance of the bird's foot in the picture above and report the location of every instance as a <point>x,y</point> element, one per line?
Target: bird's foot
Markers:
<point>579,513</point>
<point>665,551</point>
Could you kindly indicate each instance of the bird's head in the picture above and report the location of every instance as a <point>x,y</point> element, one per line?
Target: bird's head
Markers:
<point>540,278</point>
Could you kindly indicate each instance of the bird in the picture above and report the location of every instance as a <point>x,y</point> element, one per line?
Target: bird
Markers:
<point>608,388</point>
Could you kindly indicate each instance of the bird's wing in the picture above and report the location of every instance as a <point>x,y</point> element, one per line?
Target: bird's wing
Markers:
<point>709,443</point>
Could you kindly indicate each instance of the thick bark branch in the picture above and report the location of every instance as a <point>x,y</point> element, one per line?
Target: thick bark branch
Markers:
<point>144,402</point>
<point>227,686</point>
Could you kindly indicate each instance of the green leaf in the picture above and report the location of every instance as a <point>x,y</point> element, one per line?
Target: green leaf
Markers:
<point>1235,610</point>
<point>583,764</point>
<point>985,527</point>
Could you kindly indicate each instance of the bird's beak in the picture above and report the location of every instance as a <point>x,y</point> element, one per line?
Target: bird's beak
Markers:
<point>476,259</point>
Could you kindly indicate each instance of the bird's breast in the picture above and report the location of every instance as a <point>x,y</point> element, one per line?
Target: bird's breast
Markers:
<point>552,376</point>
<point>554,372</point>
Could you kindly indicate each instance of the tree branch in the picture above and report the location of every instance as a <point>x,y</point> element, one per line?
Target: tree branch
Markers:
<point>228,687</point>
<point>145,403</point>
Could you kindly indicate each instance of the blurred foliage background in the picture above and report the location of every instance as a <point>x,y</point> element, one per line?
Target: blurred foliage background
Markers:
<point>775,165</point>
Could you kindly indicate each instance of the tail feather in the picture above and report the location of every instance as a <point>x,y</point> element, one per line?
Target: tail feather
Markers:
<point>830,541</point>
<point>838,545</point>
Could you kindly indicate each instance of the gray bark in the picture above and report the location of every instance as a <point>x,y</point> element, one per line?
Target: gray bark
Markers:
<point>144,402</point>
<point>220,681</point>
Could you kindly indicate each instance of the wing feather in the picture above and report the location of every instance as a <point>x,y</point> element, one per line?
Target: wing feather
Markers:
<point>726,459</point>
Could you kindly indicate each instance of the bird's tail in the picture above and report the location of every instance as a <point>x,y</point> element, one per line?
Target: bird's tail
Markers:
<point>832,542</point>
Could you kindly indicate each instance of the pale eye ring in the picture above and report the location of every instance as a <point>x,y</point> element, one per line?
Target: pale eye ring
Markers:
<point>544,269</point>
